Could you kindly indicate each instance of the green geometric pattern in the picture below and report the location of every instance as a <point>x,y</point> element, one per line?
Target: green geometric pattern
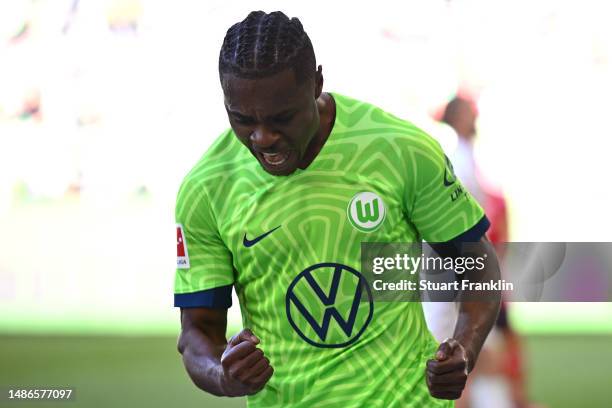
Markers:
<point>228,194</point>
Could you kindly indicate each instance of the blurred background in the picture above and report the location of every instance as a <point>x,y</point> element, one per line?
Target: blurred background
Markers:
<point>106,104</point>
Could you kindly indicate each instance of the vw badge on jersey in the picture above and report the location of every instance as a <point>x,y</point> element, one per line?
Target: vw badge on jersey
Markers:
<point>329,305</point>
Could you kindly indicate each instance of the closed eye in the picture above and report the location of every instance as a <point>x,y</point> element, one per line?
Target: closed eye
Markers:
<point>284,118</point>
<point>242,120</point>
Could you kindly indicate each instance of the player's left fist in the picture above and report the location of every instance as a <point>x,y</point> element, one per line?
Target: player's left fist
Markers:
<point>447,373</point>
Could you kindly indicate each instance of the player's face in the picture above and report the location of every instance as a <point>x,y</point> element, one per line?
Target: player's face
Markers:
<point>275,117</point>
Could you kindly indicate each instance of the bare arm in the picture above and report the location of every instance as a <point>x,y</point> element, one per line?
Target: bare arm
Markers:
<point>223,368</point>
<point>202,342</point>
<point>478,311</point>
<point>447,373</point>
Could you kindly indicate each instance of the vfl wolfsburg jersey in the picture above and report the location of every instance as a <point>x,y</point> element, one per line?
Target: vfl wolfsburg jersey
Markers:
<point>290,246</point>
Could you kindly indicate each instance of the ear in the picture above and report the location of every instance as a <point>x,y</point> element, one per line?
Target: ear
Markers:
<point>318,82</point>
<point>224,84</point>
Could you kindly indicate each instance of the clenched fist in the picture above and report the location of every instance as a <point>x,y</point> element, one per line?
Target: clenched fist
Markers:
<point>447,373</point>
<point>245,368</point>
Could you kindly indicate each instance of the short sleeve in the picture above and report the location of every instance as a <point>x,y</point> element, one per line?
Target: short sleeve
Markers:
<point>204,273</point>
<point>440,207</point>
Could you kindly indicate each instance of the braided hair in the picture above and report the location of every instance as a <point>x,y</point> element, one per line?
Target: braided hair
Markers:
<point>266,44</point>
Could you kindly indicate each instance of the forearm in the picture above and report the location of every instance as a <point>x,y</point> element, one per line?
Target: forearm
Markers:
<point>473,325</point>
<point>202,360</point>
<point>478,310</point>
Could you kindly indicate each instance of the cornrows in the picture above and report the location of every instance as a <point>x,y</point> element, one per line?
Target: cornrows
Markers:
<point>265,44</point>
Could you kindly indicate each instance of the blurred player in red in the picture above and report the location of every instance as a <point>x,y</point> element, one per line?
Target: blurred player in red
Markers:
<point>498,377</point>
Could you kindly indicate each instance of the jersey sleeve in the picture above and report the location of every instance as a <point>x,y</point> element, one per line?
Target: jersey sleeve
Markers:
<point>204,272</point>
<point>440,207</point>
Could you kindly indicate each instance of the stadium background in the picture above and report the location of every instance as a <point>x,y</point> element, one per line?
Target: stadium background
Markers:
<point>104,106</point>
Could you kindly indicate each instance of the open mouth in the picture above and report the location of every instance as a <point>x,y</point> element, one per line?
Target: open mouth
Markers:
<point>275,159</point>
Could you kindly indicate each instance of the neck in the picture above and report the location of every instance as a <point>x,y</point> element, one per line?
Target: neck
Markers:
<point>327,116</point>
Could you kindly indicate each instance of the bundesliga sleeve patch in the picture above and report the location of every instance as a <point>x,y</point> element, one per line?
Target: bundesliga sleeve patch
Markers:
<point>182,257</point>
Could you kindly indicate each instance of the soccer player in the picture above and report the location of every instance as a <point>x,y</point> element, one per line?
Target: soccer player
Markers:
<point>277,208</point>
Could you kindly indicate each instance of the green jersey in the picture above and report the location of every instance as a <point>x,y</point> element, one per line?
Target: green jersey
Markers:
<point>290,246</point>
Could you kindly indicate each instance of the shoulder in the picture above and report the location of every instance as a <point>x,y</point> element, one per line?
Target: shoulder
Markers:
<point>367,123</point>
<point>217,164</point>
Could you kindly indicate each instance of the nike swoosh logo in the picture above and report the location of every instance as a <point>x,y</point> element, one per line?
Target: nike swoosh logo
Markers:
<point>250,242</point>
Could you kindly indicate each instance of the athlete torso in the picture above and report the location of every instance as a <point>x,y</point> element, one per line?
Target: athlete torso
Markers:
<point>291,247</point>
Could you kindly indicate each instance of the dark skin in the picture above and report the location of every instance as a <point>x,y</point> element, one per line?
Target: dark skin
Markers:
<point>447,372</point>
<point>274,115</point>
<point>279,116</point>
<point>226,368</point>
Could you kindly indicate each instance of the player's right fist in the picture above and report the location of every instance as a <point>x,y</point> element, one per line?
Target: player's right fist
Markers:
<point>245,368</point>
